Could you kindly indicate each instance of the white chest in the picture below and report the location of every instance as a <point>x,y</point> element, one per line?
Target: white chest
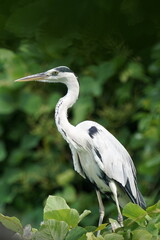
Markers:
<point>93,172</point>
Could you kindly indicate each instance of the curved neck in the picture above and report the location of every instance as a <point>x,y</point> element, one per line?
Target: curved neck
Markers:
<point>63,125</point>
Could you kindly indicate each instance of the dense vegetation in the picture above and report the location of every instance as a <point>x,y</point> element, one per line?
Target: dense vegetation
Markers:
<point>60,222</point>
<point>114,49</point>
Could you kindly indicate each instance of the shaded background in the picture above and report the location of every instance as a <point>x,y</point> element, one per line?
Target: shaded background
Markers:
<point>114,49</point>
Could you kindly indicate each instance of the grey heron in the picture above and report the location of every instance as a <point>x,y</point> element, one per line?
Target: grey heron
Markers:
<point>97,155</point>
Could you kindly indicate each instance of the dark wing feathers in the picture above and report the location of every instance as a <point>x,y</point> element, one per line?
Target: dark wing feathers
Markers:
<point>113,160</point>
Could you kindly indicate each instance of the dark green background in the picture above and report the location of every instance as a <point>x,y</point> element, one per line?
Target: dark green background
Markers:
<point>114,49</point>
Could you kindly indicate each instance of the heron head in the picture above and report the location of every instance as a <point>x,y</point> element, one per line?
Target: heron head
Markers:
<point>58,74</point>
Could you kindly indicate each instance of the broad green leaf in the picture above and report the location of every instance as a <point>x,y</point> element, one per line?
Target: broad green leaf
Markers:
<point>12,223</point>
<point>83,237</point>
<point>75,233</point>
<point>52,230</point>
<point>84,214</point>
<point>70,216</point>
<point>154,210</point>
<point>101,227</point>
<point>129,224</point>
<point>91,228</point>
<point>91,236</point>
<point>55,203</point>
<point>152,227</point>
<point>135,212</point>
<point>141,234</point>
<point>113,236</point>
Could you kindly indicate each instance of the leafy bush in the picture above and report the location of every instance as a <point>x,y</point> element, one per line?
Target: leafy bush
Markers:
<point>114,49</point>
<point>60,222</point>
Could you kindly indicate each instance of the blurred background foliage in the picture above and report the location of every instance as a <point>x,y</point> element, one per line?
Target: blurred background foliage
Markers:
<point>114,49</point>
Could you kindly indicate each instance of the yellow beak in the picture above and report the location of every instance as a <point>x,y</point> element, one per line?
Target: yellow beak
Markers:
<point>34,77</point>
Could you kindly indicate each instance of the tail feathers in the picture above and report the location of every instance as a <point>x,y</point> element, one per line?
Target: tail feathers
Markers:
<point>140,200</point>
<point>131,198</point>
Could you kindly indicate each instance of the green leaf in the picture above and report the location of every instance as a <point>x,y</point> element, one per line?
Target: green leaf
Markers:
<point>52,230</point>
<point>129,224</point>
<point>91,236</point>
<point>141,234</point>
<point>70,216</point>
<point>101,227</point>
<point>90,228</point>
<point>152,227</point>
<point>113,236</point>
<point>12,223</point>
<point>135,212</point>
<point>154,210</point>
<point>55,203</point>
<point>84,214</point>
<point>75,233</point>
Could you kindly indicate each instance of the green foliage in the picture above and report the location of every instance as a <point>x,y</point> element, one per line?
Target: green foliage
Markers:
<point>57,224</point>
<point>12,223</point>
<point>135,213</point>
<point>114,49</point>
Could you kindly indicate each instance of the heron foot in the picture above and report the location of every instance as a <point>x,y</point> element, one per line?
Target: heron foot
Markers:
<point>120,220</point>
<point>114,224</point>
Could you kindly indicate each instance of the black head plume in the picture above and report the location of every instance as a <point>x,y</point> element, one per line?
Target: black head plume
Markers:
<point>63,69</point>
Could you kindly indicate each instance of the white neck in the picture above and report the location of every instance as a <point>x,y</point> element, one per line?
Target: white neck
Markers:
<point>63,125</point>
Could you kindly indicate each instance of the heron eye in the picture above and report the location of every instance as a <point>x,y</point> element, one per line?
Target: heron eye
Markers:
<point>54,73</point>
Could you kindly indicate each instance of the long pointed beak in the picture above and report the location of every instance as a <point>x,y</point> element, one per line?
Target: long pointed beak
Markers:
<point>34,77</point>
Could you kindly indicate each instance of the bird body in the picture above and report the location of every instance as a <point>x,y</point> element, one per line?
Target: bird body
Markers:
<point>97,155</point>
<point>104,160</point>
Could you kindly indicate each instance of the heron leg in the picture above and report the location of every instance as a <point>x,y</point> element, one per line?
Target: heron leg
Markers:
<point>101,210</point>
<point>114,191</point>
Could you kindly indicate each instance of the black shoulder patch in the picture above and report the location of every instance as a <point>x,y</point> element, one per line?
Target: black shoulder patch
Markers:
<point>63,69</point>
<point>92,131</point>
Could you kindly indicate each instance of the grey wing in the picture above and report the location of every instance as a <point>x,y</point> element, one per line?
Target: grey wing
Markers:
<point>76,161</point>
<point>114,160</point>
